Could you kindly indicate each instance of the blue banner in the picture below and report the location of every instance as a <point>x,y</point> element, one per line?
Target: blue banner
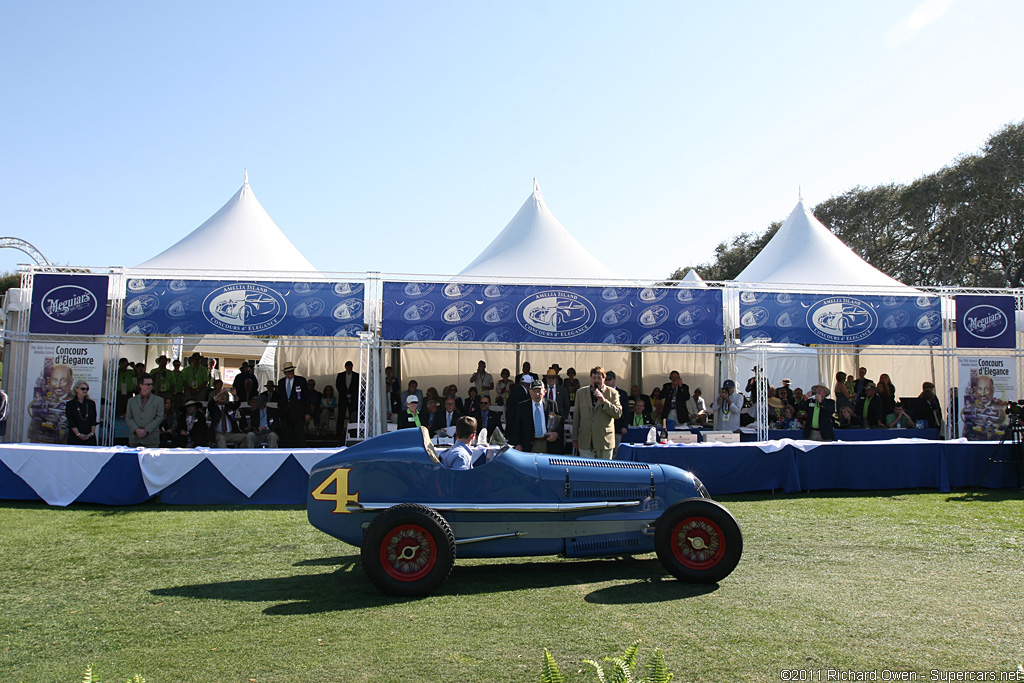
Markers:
<point>294,309</point>
<point>985,322</point>
<point>829,319</point>
<point>419,311</point>
<point>68,304</point>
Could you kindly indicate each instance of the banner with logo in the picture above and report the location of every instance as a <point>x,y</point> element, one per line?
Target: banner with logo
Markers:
<point>985,322</point>
<point>295,309</point>
<point>418,311</point>
<point>53,371</point>
<point>987,384</point>
<point>828,319</point>
<point>68,304</point>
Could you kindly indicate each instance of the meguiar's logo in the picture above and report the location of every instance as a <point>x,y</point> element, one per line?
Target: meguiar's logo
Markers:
<point>69,304</point>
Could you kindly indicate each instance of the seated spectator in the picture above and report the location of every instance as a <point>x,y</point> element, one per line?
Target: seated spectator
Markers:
<point>927,407</point>
<point>788,420</point>
<point>886,393</point>
<point>169,426</point>
<point>572,385</point>
<point>410,417</point>
<point>487,418</point>
<point>639,417</point>
<point>472,404</point>
<point>192,430</point>
<point>798,396</point>
<point>413,390</point>
<point>848,420</point>
<point>775,406</point>
<point>451,391</point>
<point>223,423</point>
<point>262,425</point>
<point>427,415</point>
<point>244,384</point>
<point>899,418</point>
<point>315,405</point>
<point>329,407</point>
<point>697,410</point>
<point>869,408</point>
<point>432,395</point>
<point>784,395</point>
<point>268,393</point>
<point>502,387</point>
<point>446,418</point>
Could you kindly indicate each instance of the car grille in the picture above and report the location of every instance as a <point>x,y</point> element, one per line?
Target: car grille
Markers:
<point>590,462</point>
<point>612,493</point>
<point>617,543</point>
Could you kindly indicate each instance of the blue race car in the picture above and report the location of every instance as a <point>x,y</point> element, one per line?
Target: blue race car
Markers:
<point>409,514</point>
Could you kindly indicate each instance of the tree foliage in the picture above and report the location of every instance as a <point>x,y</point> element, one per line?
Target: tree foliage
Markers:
<point>959,226</point>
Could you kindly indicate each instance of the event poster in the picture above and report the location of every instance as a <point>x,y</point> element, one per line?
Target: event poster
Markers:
<point>194,307</point>
<point>53,371</point>
<point>787,318</point>
<point>987,385</point>
<point>457,312</point>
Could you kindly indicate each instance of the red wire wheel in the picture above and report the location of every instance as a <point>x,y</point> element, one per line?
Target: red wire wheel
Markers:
<point>698,540</point>
<point>408,553</point>
<point>408,550</point>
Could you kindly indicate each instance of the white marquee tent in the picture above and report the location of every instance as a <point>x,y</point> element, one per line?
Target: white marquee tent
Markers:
<point>535,244</point>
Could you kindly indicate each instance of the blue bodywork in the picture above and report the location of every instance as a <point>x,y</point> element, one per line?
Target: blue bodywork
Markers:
<point>518,504</point>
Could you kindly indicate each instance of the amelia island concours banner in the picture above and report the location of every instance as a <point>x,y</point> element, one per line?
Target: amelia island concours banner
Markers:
<point>987,384</point>
<point>829,319</point>
<point>418,311</point>
<point>53,371</point>
<point>296,309</point>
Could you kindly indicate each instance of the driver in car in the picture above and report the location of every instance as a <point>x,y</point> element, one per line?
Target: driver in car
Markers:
<point>461,455</point>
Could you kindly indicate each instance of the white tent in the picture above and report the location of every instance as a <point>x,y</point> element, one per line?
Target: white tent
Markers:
<point>804,251</point>
<point>535,244</point>
<point>241,234</point>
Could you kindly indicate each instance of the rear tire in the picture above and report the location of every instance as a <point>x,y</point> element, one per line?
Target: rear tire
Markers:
<point>408,550</point>
<point>698,541</point>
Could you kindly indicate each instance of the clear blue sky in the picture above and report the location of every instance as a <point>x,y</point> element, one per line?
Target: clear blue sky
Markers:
<point>402,136</point>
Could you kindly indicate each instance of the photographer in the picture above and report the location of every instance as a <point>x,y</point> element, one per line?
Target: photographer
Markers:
<point>727,407</point>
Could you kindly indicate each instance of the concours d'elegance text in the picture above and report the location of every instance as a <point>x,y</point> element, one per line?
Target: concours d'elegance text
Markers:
<point>894,675</point>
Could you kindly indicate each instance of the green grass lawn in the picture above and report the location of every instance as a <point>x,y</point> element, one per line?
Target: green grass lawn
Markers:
<point>901,581</point>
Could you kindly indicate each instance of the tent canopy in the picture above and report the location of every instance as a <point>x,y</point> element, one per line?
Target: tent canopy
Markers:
<point>804,251</point>
<point>242,223</point>
<point>535,244</point>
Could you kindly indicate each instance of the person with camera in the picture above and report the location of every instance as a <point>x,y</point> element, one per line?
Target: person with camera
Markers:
<point>819,424</point>
<point>727,407</point>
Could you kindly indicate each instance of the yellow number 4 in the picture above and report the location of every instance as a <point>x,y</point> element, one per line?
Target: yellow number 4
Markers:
<point>341,496</point>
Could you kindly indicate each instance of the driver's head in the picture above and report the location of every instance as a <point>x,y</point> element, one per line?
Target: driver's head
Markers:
<point>465,427</point>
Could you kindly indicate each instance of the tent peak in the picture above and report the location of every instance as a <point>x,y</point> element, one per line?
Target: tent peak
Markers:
<point>245,177</point>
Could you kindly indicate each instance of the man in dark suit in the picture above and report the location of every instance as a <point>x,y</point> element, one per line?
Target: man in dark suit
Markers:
<point>538,425</point>
<point>261,427</point>
<point>636,395</point>
<point>675,395</point>
<point>516,395</point>
<point>560,397</point>
<point>292,397</point>
<point>487,418</point>
<point>819,424</point>
<point>869,407</point>
<point>445,418</point>
<point>620,424</point>
<point>347,384</point>
<point>223,425</point>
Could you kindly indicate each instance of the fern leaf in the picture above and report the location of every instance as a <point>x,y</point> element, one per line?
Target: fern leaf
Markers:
<point>631,652</point>
<point>87,678</point>
<point>598,668</point>
<point>621,673</point>
<point>549,671</point>
<point>657,670</point>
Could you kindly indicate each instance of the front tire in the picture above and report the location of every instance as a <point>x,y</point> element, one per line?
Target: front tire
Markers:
<point>698,541</point>
<point>408,550</point>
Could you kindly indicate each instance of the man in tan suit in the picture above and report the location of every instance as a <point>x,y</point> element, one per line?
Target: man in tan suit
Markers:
<point>593,424</point>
